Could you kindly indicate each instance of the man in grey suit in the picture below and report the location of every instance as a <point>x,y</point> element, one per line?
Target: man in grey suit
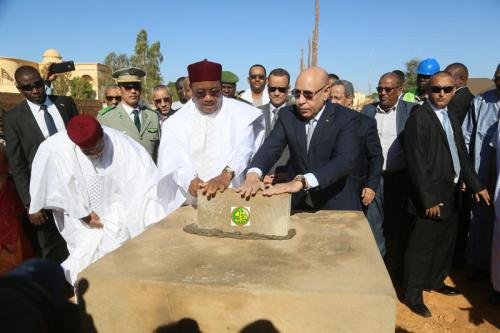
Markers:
<point>278,87</point>
<point>391,113</point>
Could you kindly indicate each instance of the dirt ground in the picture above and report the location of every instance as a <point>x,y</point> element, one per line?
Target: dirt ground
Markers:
<point>468,312</point>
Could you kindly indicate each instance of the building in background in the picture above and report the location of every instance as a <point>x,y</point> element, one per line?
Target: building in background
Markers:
<point>98,75</point>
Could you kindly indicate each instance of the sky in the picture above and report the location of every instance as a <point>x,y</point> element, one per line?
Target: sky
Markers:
<point>358,40</point>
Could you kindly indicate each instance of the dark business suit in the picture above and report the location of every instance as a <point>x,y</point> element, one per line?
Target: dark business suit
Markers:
<point>280,165</point>
<point>332,153</point>
<point>431,243</point>
<point>368,170</point>
<point>460,103</point>
<point>389,206</point>
<point>23,137</point>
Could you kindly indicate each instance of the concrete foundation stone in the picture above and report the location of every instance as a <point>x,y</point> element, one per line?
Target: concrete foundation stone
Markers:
<point>328,278</point>
<point>231,213</point>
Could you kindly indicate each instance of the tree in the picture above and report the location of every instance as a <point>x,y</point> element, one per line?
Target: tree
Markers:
<point>61,85</point>
<point>117,61</point>
<point>81,88</point>
<point>149,59</point>
<point>411,74</point>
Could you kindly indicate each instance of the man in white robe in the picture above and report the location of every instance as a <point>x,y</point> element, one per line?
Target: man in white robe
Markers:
<point>101,185</point>
<point>208,143</point>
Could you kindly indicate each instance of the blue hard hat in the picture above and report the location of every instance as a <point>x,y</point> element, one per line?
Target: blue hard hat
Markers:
<point>428,66</point>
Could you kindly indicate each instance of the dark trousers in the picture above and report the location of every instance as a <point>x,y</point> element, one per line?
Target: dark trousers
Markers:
<point>396,222</point>
<point>46,240</point>
<point>429,255</point>
<point>374,213</point>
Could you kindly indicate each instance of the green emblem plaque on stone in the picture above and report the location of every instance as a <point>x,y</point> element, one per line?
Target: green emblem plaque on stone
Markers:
<point>240,216</point>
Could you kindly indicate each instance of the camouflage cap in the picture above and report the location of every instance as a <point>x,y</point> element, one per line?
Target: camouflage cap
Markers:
<point>229,77</point>
<point>130,74</point>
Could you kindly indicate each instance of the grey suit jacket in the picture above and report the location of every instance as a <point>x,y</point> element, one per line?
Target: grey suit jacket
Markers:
<point>280,165</point>
<point>402,113</point>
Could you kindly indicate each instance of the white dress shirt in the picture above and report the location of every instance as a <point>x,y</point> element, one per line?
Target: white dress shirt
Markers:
<point>129,110</point>
<point>40,117</point>
<point>311,179</point>
<point>394,157</point>
<point>273,112</point>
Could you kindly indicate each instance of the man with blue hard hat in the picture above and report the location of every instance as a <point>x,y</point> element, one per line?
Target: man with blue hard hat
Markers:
<point>426,68</point>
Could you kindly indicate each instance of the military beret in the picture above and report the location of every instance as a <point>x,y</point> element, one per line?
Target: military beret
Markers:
<point>130,74</point>
<point>229,77</point>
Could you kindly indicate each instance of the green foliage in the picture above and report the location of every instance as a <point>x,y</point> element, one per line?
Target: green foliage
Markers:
<point>148,58</point>
<point>61,85</point>
<point>173,91</point>
<point>411,74</point>
<point>373,96</point>
<point>117,61</point>
<point>81,88</point>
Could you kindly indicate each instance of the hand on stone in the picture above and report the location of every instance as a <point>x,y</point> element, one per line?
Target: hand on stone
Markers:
<point>268,180</point>
<point>434,211</point>
<point>194,186</point>
<point>216,184</point>
<point>93,220</point>
<point>38,218</point>
<point>367,196</point>
<point>251,186</point>
<point>483,194</point>
<point>291,187</point>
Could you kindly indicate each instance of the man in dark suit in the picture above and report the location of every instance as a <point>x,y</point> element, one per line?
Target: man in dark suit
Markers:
<point>368,167</point>
<point>387,211</point>
<point>26,127</point>
<point>437,165</point>
<point>460,103</point>
<point>323,148</point>
<point>278,86</point>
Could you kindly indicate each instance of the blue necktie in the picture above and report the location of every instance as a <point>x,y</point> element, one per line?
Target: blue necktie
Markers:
<point>49,121</point>
<point>451,142</point>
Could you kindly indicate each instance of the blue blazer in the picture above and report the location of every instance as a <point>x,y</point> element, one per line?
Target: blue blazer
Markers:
<point>402,113</point>
<point>333,150</point>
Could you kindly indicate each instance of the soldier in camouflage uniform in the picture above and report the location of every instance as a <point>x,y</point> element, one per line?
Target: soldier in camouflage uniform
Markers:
<point>130,116</point>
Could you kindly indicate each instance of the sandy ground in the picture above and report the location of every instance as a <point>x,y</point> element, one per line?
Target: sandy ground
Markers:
<point>468,312</point>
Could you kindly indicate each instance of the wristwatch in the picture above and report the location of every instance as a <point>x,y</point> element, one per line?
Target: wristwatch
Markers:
<point>302,179</point>
<point>229,170</point>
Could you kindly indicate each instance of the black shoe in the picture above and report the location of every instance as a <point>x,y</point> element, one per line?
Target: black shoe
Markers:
<point>447,290</point>
<point>420,309</point>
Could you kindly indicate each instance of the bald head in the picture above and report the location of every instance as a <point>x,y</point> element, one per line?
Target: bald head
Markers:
<point>311,91</point>
<point>459,72</point>
<point>393,77</point>
<point>441,89</point>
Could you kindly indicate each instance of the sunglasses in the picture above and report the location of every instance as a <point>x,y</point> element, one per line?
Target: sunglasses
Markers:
<point>110,98</point>
<point>438,89</point>
<point>280,89</point>
<point>306,93</point>
<point>257,76</point>
<point>35,85</point>
<point>129,86</point>
<point>202,93</point>
<point>387,89</point>
<point>164,99</point>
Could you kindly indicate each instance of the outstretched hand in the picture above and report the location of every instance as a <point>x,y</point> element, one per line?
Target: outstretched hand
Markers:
<point>251,186</point>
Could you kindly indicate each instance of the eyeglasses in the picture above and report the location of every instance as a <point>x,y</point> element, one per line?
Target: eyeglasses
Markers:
<point>280,89</point>
<point>438,89</point>
<point>257,76</point>
<point>164,99</point>
<point>129,86</point>
<point>306,93</point>
<point>30,86</point>
<point>202,93</point>
<point>387,89</point>
<point>110,98</point>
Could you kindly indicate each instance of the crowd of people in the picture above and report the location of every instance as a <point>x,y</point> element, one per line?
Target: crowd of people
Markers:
<point>420,164</point>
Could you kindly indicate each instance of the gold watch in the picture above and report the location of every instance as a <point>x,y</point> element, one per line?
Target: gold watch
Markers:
<point>229,171</point>
<point>302,179</point>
